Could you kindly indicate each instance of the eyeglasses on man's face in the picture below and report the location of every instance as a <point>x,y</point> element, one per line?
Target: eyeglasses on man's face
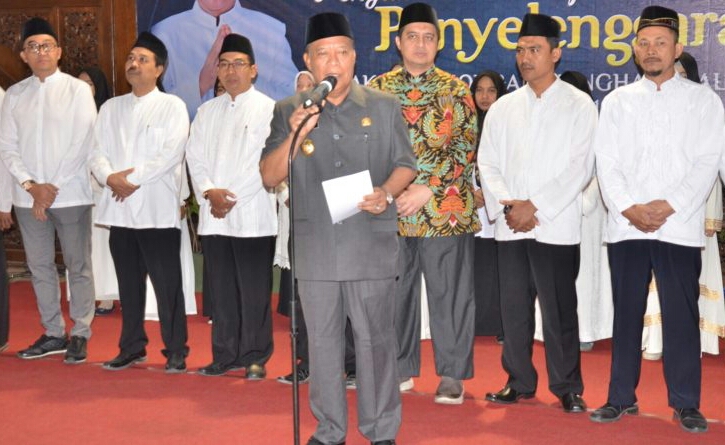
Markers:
<point>236,65</point>
<point>40,48</point>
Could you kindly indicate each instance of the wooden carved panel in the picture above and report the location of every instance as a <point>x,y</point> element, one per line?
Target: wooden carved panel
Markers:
<point>80,40</point>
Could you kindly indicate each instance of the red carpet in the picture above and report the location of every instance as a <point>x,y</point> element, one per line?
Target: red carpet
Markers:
<point>45,401</point>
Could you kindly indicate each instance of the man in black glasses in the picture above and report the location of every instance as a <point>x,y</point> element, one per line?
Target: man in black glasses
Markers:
<point>44,123</point>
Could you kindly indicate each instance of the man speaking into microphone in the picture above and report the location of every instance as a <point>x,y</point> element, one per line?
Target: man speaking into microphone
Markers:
<point>345,269</point>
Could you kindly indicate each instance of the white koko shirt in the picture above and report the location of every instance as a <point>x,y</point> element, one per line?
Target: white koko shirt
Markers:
<point>43,129</point>
<point>662,144</point>
<point>148,134</point>
<point>539,149</point>
<point>6,180</point>
<point>224,148</point>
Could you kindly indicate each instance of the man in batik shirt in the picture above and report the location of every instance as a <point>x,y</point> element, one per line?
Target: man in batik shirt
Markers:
<point>437,215</point>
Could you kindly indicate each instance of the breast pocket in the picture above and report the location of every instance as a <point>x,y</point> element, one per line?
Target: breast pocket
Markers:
<point>152,142</point>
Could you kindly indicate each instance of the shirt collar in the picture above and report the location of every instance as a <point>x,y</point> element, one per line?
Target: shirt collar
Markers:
<point>145,97</point>
<point>355,96</point>
<point>666,85</point>
<point>52,78</point>
<point>423,77</point>
<point>236,10</point>
<point>240,97</point>
<point>547,92</point>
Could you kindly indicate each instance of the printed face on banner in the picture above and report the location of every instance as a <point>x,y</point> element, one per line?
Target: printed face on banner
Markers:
<point>216,7</point>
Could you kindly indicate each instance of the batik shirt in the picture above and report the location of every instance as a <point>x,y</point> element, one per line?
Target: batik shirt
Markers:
<point>441,118</point>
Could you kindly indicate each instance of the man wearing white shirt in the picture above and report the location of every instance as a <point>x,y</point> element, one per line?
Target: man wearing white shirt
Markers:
<point>138,148</point>
<point>45,120</point>
<point>535,158</point>
<point>192,68</point>
<point>237,217</point>
<point>6,221</point>
<point>658,147</point>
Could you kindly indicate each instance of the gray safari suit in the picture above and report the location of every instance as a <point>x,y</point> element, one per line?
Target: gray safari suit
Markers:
<point>349,268</point>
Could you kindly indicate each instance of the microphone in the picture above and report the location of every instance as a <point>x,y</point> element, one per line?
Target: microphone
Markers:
<point>320,92</point>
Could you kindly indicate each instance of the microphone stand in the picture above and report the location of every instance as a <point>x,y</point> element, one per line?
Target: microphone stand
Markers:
<point>293,286</point>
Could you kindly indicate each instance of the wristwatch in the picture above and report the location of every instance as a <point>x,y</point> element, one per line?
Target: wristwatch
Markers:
<point>27,185</point>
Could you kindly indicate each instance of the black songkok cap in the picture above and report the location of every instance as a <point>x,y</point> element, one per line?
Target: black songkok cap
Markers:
<point>36,26</point>
<point>153,44</point>
<point>539,25</point>
<point>418,12</point>
<point>659,16</point>
<point>327,24</point>
<point>238,44</point>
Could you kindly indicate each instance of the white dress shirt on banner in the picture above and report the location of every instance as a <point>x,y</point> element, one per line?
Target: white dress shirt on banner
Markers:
<point>539,149</point>
<point>43,129</point>
<point>147,134</point>
<point>273,55</point>
<point>223,151</point>
<point>659,144</point>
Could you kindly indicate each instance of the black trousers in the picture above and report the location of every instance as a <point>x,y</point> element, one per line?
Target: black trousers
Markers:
<point>485,283</point>
<point>240,280</point>
<point>677,270</point>
<point>528,268</point>
<point>138,253</point>
<point>4,295</point>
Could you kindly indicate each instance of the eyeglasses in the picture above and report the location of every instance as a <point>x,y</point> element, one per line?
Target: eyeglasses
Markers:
<point>236,65</point>
<point>37,48</point>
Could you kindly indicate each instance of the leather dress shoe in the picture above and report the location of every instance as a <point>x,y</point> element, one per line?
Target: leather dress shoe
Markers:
<point>691,420</point>
<point>573,403</point>
<point>77,350</point>
<point>313,441</point>
<point>611,413</point>
<point>216,369</point>
<point>175,363</point>
<point>508,395</point>
<point>124,360</point>
<point>383,442</point>
<point>256,372</point>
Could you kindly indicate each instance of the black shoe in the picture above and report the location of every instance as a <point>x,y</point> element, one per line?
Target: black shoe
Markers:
<point>573,403</point>
<point>76,352</point>
<point>303,376</point>
<point>611,413</point>
<point>43,346</point>
<point>256,372</point>
<point>383,442</point>
<point>124,360</point>
<point>314,441</point>
<point>508,395</point>
<point>351,380</point>
<point>691,420</point>
<point>176,363</point>
<point>216,369</point>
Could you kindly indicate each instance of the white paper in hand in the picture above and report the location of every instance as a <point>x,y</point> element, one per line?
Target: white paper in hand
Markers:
<point>344,193</point>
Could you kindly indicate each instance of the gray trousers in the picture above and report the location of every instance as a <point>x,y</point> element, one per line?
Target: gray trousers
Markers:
<point>447,264</point>
<point>369,305</point>
<point>73,225</point>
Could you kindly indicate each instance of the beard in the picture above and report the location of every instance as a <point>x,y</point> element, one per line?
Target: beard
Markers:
<point>653,73</point>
